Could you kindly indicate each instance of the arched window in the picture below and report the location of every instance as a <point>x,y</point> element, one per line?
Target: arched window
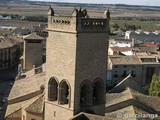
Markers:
<point>64,93</point>
<point>86,93</point>
<point>98,91</point>
<point>52,90</point>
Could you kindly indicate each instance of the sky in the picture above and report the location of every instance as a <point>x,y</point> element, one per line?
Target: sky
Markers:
<point>130,2</point>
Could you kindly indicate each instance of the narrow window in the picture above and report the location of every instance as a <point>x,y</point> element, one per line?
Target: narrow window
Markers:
<point>64,93</point>
<point>98,91</point>
<point>86,93</point>
<point>52,90</point>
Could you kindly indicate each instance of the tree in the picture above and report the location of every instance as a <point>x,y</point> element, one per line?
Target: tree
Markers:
<point>155,86</point>
<point>116,26</point>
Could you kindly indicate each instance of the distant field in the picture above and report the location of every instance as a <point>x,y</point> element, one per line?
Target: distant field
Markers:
<point>38,10</point>
<point>145,25</point>
<point>18,23</point>
<point>116,11</point>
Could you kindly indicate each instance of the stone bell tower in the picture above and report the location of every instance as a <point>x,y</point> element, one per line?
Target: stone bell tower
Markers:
<point>76,64</point>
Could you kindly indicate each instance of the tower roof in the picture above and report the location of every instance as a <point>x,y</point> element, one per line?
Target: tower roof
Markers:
<point>33,37</point>
<point>128,82</point>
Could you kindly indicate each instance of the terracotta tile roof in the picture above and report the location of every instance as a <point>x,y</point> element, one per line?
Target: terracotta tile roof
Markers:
<point>115,98</point>
<point>123,111</point>
<point>4,32</point>
<point>148,49</point>
<point>123,49</point>
<point>128,82</point>
<point>37,106</point>
<point>141,53</point>
<point>140,100</point>
<point>16,114</point>
<point>130,110</point>
<point>33,37</point>
<point>151,44</point>
<point>133,59</point>
<point>13,108</point>
<point>26,86</point>
<point>87,116</point>
<point>138,59</point>
<point>9,41</point>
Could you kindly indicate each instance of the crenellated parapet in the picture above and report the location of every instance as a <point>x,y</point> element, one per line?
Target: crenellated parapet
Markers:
<point>50,11</point>
<point>78,22</point>
<point>93,25</point>
<point>60,23</point>
<point>81,13</point>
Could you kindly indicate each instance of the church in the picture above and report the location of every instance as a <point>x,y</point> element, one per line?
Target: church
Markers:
<point>76,64</point>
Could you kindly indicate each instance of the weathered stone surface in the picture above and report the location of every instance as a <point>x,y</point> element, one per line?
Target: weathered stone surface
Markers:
<point>76,51</point>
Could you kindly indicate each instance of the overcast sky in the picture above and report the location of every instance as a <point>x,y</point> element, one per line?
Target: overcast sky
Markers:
<point>132,2</point>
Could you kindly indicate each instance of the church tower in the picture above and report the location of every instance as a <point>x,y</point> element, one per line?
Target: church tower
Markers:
<point>33,51</point>
<point>76,64</point>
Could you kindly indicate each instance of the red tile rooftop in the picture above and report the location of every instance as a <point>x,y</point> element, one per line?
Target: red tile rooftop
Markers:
<point>151,44</point>
<point>123,49</point>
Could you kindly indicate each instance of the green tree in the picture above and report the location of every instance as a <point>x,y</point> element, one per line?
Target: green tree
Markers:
<point>115,26</point>
<point>155,86</point>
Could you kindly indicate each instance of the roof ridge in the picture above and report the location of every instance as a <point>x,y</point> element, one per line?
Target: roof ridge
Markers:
<point>131,93</point>
<point>129,83</point>
<point>129,76</point>
<point>29,36</point>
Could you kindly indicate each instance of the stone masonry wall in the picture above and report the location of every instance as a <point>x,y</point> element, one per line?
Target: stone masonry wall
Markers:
<point>91,63</point>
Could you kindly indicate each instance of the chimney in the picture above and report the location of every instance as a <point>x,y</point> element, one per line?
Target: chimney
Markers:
<point>133,40</point>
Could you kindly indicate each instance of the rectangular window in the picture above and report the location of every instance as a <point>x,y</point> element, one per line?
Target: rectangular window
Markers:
<point>125,66</point>
<point>34,41</point>
<point>116,74</point>
<point>116,66</point>
<point>124,73</point>
<point>133,73</point>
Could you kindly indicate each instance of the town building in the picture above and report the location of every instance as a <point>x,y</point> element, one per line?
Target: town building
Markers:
<point>11,49</point>
<point>33,52</point>
<point>21,31</point>
<point>120,50</point>
<point>121,43</point>
<point>154,46</point>
<point>142,65</point>
<point>143,36</point>
<point>76,64</point>
<point>5,18</point>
